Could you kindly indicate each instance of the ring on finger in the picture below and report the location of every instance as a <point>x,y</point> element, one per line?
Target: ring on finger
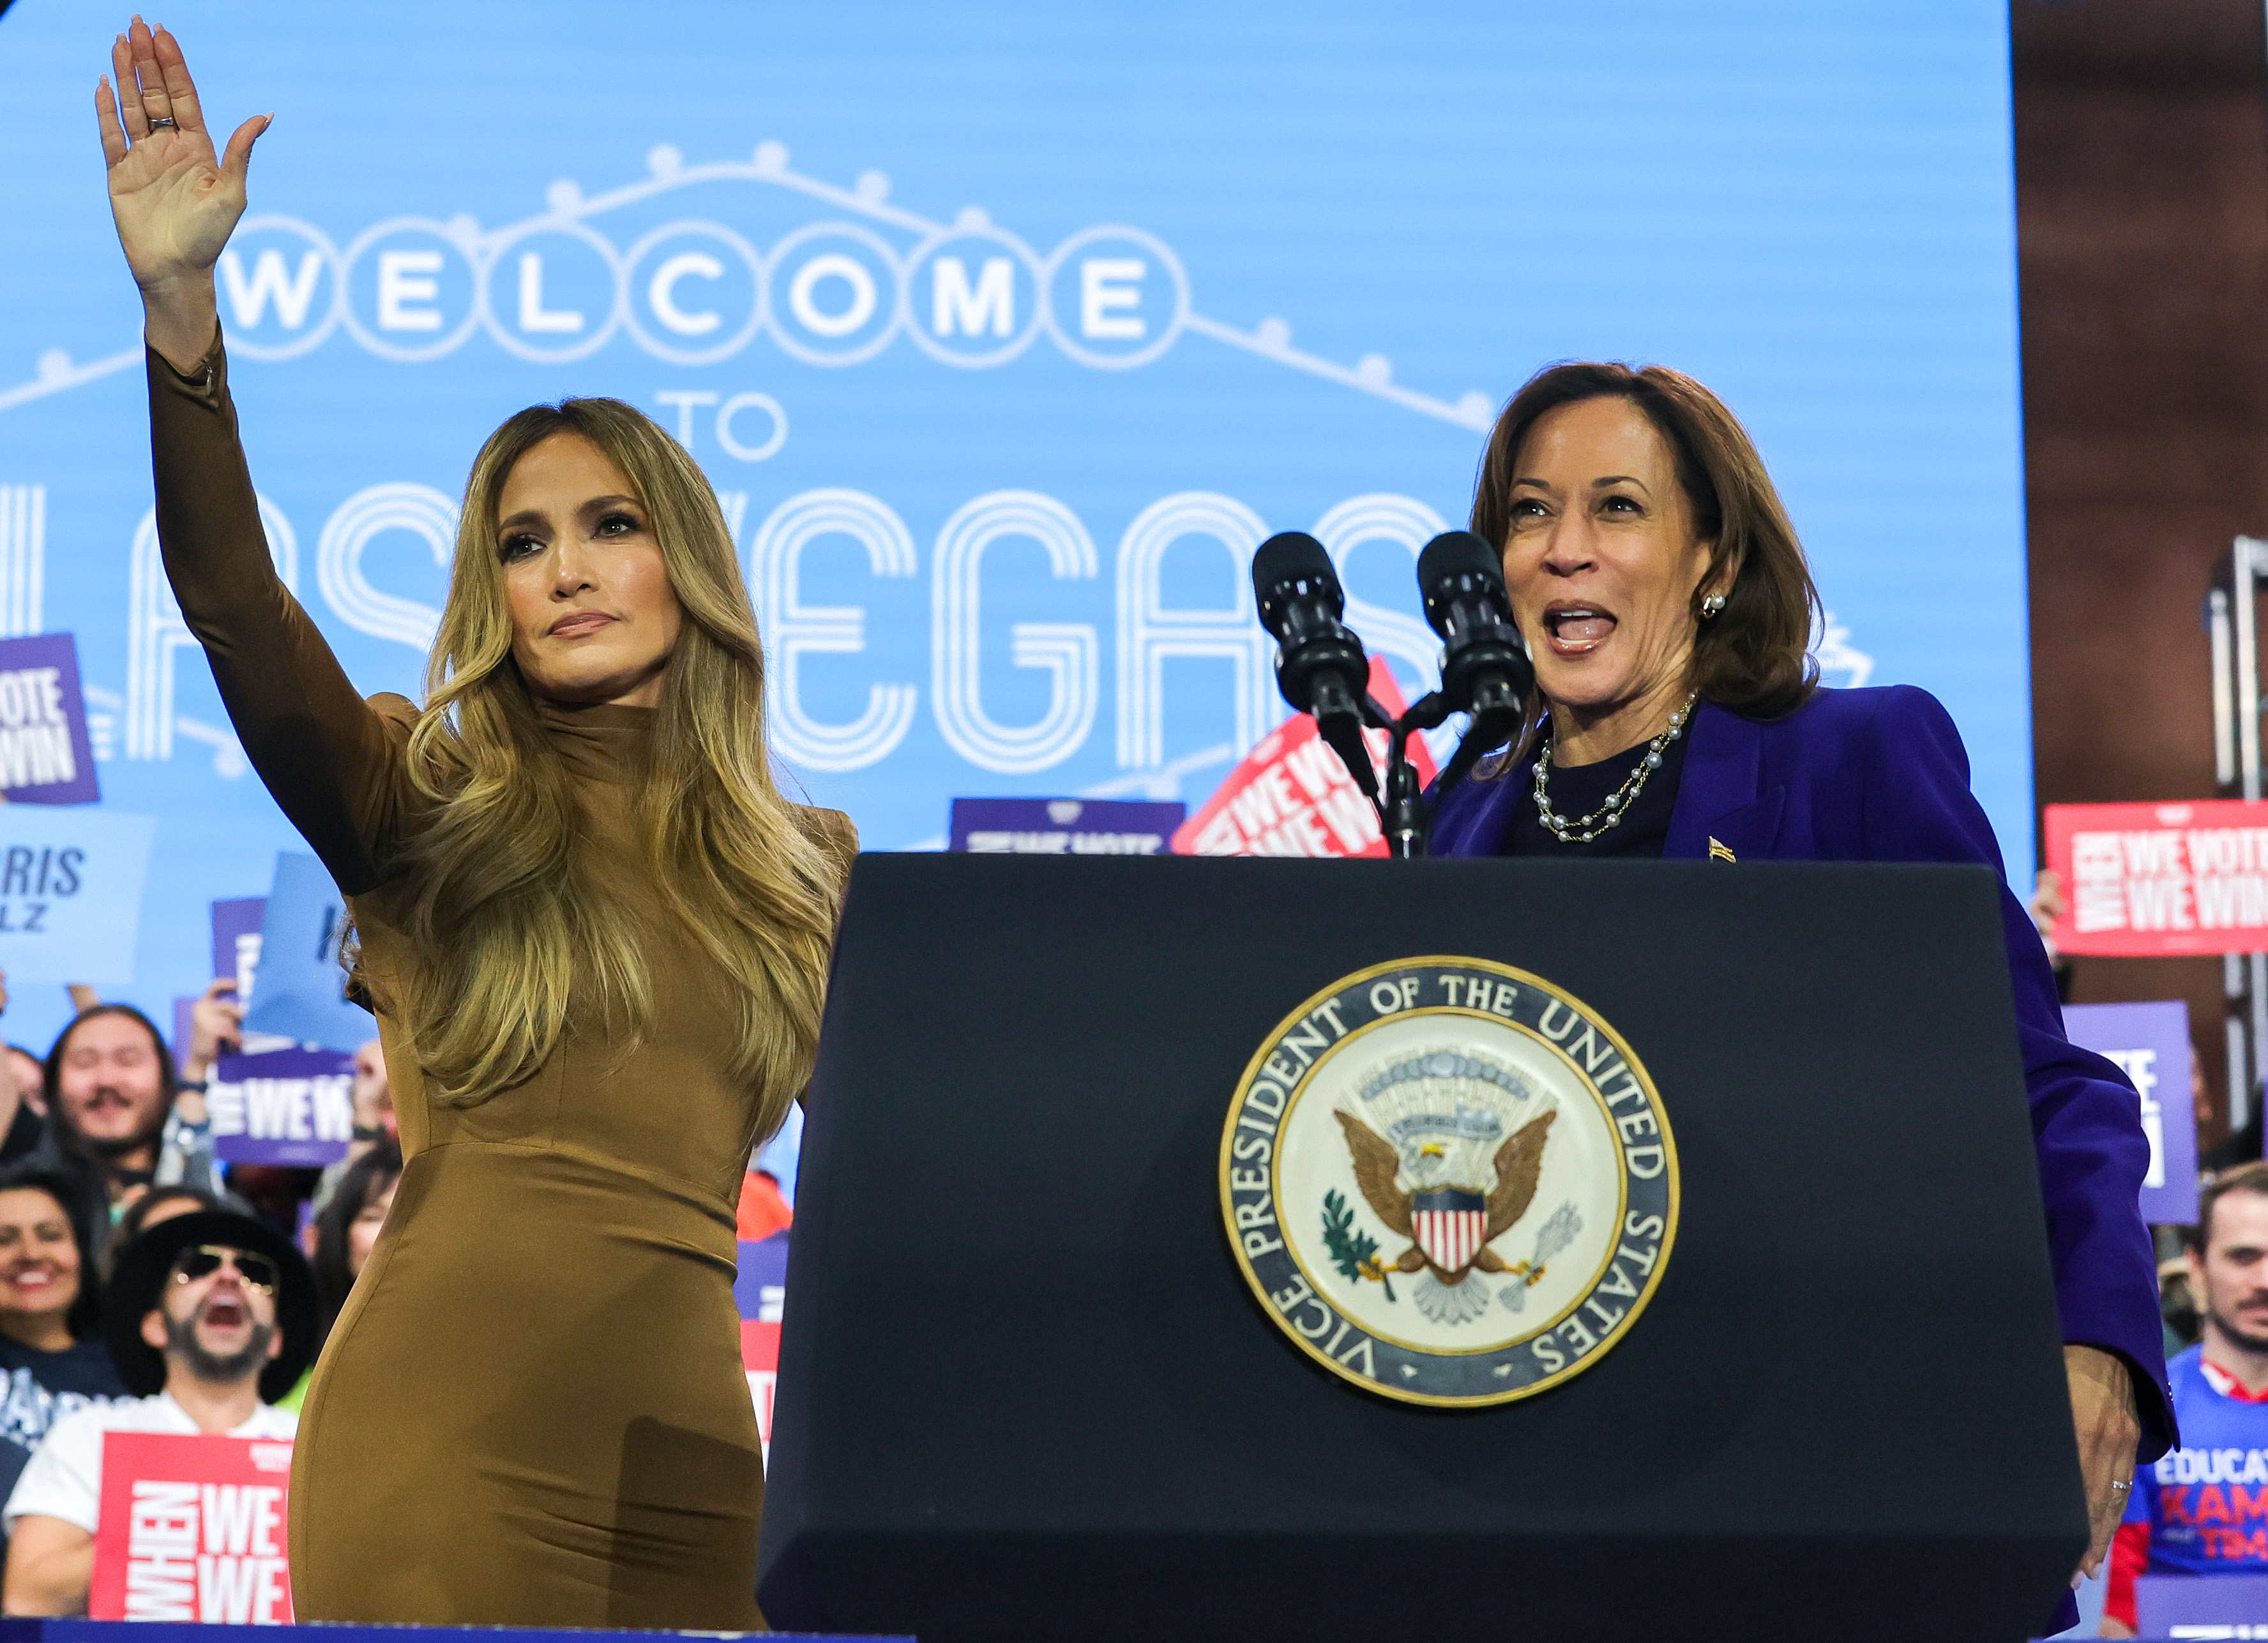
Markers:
<point>163,122</point>
<point>2120,1489</point>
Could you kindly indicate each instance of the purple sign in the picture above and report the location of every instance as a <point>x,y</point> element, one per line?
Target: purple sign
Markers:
<point>2201,1605</point>
<point>45,755</point>
<point>1064,827</point>
<point>760,1285</point>
<point>2150,1042</point>
<point>236,940</point>
<point>285,1107</point>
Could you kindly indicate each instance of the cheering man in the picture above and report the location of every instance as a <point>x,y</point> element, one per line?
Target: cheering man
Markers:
<point>212,1316</point>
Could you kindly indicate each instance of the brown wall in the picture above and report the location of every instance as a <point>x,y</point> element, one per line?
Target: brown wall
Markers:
<point>2141,140</point>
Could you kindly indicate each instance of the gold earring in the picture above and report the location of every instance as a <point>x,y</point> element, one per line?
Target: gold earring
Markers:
<point>1712,605</point>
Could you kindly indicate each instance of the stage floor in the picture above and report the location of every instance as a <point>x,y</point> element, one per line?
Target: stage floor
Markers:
<point>192,1631</point>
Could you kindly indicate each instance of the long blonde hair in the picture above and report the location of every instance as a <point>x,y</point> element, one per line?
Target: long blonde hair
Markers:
<point>503,918</point>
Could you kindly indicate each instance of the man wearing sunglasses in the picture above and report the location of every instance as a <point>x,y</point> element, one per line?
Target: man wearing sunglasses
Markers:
<point>210,1317</point>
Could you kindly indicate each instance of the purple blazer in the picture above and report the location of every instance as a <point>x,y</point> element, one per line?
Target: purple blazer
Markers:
<point>1881,776</point>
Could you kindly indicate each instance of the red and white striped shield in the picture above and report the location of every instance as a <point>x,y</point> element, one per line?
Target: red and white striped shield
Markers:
<point>1450,1228</point>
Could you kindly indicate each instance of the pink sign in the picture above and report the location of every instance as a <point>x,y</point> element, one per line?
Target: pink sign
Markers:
<point>2150,881</point>
<point>192,1528</point>
<point>1293,795</point>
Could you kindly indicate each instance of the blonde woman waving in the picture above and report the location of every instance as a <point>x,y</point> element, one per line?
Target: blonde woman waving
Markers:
<point>596,937</point>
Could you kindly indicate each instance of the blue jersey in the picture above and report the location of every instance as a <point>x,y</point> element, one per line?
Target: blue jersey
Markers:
<point>2206,1503</point>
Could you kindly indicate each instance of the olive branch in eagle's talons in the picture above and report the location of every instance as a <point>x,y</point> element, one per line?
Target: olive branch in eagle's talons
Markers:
<point>1355,1252</point>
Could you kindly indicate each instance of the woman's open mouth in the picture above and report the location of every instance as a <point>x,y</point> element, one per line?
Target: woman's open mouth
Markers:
<point>1578,630</point>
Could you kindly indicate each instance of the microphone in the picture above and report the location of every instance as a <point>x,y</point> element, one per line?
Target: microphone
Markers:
<point>1484,667</point>
<point>1320,666</point>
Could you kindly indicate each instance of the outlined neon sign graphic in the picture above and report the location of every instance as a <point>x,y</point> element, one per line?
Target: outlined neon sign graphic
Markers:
<point>967,293</point>
<point>831,293</point>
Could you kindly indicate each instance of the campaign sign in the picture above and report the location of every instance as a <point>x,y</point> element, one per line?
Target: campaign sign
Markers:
<point>236,940</point>
<point>2201,1605</point>
<point>192,1528</point>
<point>302,995</point>
<point>236,955</point>
<point>761,1289</point>
<point>286,1107</point>
<point>1063,827</point>
<point>2150,1044</point>
<point>46,757</point>
<point>70,892</point>
<point>2150,881</point>
<point>1293,796</point>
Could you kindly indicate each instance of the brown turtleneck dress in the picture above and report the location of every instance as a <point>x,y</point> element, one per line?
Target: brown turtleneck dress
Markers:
<point>533,1411</point>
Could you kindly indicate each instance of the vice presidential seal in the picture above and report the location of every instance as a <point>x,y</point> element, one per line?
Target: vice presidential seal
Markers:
<point>1449,1181</point>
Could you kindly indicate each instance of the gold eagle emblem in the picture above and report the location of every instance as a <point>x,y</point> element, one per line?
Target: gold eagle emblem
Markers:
<point>1519,1164</point>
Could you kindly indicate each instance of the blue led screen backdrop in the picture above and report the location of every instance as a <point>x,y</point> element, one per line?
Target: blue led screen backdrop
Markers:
<point>1006,331</point>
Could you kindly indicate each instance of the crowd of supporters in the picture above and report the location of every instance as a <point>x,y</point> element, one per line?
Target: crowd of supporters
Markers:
<point>145,1286</point>
<point>2202,1509</point>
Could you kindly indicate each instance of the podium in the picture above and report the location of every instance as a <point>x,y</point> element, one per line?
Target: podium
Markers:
<point>1026,1389</point>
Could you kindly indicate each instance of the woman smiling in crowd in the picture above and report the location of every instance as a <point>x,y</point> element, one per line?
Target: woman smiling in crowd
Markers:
<point>347,1229</point>
<point>596,936</point>
<point>1667,608</point>
<point>51,1345</point>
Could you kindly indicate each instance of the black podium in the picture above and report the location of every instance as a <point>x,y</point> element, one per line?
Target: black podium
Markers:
<point>1027,1393</point>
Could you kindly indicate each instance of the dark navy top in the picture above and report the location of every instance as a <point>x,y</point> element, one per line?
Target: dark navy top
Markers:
<point>1577,792</point>
<point>43,1387</point>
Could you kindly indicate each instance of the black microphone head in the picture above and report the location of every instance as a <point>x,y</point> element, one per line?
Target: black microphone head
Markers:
<point>1458,554</point>
<point>1484,667</point>
<point>1459,567</point>
<point>1293,565</point>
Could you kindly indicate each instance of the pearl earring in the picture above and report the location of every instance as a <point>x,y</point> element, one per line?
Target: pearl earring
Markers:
<point>1712,605</point>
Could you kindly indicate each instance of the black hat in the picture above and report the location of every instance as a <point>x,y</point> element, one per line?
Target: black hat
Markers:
<point>140,1279</point>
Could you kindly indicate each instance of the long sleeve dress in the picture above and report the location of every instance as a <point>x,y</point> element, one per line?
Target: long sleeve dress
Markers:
<point>532,1410</point>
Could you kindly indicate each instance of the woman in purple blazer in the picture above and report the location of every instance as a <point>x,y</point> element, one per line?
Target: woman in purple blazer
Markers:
<point>1667,608</point>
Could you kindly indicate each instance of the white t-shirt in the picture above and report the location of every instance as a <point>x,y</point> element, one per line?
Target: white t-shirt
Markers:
<point>63,1477</point>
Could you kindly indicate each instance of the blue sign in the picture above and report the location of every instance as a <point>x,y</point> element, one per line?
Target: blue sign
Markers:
<point>287,1106</point>
<point>300,995</point>
<point>1006,330</point>
<point>782,1156</point>
<point>2150,1044</point>
<point>70,892</point>
<point>1064,827</point>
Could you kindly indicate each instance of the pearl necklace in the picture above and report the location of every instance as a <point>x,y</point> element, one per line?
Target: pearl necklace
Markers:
<point>1586,828</point>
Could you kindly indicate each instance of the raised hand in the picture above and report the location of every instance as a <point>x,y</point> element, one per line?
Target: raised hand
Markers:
<point>175,201</point>
<point>215,1027</point>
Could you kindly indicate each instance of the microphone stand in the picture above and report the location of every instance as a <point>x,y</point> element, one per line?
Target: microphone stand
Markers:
<point>1320,665</point>
<point>1403,817</point>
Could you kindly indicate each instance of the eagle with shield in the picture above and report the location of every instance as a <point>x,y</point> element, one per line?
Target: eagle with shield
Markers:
<point>1448,1149</point>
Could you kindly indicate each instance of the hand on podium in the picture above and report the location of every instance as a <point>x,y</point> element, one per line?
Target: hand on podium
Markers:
<point>2102,1412</point>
